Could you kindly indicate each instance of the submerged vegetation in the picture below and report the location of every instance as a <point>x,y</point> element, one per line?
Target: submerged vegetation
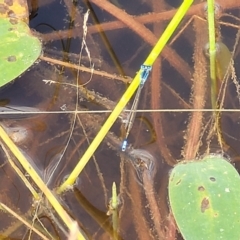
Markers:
<point>91,51</point>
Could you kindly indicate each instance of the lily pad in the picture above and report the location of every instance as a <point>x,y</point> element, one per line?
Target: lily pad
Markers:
<point>205,199</point>
<point>19,49</point>
<point>14,9</point>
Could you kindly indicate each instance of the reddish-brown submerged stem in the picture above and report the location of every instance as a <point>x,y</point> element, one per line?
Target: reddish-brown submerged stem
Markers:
<point>85,69</point>
<point>156,87</point>
<point>140,223</point>
<point>154,17</point>
<point>169,54</point>
<point>126,19</point>
<point>171,228</point>
<point>153,206</point>
<point>156,104</point>
<point>199,90</point>
<point>144,19</point>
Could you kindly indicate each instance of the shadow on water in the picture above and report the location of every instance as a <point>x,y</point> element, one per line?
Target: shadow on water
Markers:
<point>54,142</point>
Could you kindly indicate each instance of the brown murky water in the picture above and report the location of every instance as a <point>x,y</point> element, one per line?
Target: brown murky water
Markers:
<point>166,128</point>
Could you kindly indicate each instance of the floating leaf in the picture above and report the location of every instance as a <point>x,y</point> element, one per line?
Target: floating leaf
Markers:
<point>14,9</point>
<point>205,199</point>
<point>19,49</point>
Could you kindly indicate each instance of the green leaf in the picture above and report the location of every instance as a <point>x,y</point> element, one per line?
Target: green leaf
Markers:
<point>19,49</point>
<point>14,9</point>
<point>205,199</point>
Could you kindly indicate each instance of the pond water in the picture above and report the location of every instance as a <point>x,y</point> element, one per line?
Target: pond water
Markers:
<point>166,129</point>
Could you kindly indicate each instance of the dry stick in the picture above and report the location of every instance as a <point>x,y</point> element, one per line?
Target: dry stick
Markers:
<point>84,69</point>
<point>199,90</point>
<point>73,57</point>
<point>78,19</point>
<point>22,220</point>
<point>105,41</point>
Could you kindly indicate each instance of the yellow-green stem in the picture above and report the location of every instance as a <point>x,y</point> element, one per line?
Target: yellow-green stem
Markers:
<point>126,96</point>
<point>212,52</point>
<point>37,179</point>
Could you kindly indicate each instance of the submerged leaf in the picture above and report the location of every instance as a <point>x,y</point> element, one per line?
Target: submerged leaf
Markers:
<point>19,49</point>
<point>204,197</point>
<point>223,59</point>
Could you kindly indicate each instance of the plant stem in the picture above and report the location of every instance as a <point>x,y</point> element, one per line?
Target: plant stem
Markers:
<point>212,51</point>
<point>126,96</point>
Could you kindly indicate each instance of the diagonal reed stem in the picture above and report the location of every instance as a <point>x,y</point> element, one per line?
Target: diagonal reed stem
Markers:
<point>126,96</point>
<point>212,51</point>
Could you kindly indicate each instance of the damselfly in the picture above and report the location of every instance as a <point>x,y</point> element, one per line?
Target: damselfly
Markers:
<point>132,115</point>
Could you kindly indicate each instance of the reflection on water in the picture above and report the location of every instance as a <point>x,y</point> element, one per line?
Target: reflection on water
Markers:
<point>54,143</point>
<point>143,161</point>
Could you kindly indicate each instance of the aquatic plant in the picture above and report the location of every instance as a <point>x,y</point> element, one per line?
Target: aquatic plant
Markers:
<point>65,105</point>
